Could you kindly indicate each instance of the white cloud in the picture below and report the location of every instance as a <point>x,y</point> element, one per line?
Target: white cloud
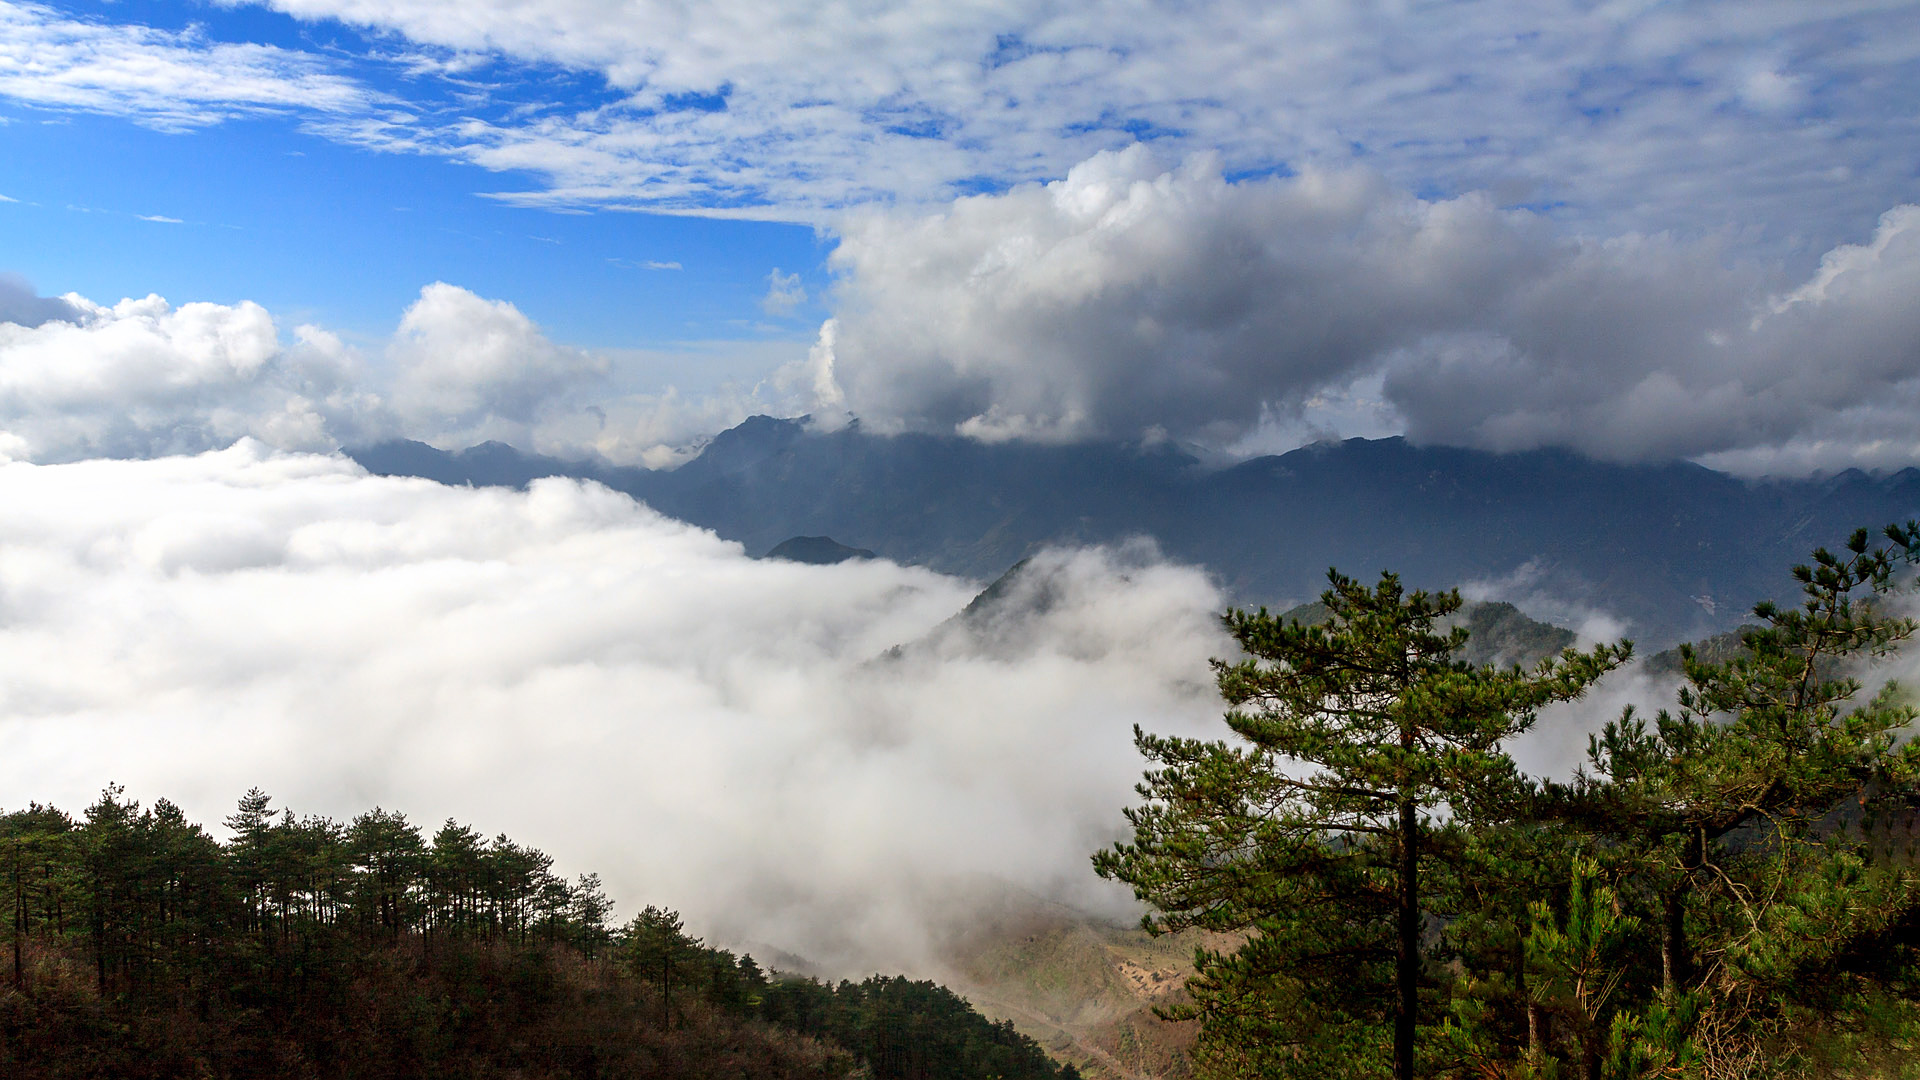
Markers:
<point>1649,349</point>
<point>1124,301</point>
<point>158,218</point>
<point>169,81</point>
<point>1641,117</point>
<point>784,293</point>
<point>1617,117</point>
<point>1121,302</point>
<point>143,378</point>
<point>629,693</point>
<point>470,365</point>
<point>1124,298</point>
<point>466,369</point>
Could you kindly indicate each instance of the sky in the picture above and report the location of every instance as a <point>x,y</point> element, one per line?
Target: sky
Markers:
<point>236,237</point>
<point>1641,230</point>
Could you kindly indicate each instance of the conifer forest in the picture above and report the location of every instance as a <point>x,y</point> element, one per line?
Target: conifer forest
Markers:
<point>140,946</point>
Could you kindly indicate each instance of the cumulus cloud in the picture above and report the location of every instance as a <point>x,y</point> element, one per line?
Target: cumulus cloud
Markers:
<point>1126,299</point>
<point>1644,348</point>
<point>143,378</point>
<point>466,363</point>
<point>724,735</point>
<point>465,369</point>
<point>1123,297</point>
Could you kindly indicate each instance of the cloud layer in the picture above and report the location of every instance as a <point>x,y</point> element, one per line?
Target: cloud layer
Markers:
<point>1783,117</point>
<point>1124,300</point>
<point>629,693</point>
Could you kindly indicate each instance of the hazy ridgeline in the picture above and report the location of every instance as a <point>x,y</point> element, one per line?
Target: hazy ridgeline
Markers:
<point>141,945</point>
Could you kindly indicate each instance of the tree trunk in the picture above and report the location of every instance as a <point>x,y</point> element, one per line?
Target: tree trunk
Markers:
<point>1407,968</point>
<point>1675,964</point>
<point>19,928</point>
<point>1536,1039</point>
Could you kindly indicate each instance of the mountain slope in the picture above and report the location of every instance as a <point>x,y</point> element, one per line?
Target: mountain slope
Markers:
<point>1677,550</point>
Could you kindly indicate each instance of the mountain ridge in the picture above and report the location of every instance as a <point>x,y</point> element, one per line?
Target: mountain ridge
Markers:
<point>1675,550</point>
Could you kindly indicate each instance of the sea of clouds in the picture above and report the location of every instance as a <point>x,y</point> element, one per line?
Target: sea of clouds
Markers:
<point>824,761</point>
<point>708,731</point>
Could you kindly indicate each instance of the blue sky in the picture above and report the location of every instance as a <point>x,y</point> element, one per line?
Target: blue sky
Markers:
<point>256,208</point>
<point>628,175</point>
<point>346,236</point>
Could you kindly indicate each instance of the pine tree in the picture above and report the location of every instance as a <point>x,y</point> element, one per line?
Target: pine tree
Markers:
<point>33,844</point>
<point>587,911</point>
<point>1745,814</point>
<point>1364,749</point>
<point>391,856</point>
<point>657,949</point>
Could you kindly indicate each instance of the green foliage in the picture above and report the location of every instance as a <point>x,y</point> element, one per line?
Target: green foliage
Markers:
<point>901,1029</point>
<point>1366,751</point>
<point>1726,893</point>
<point>143,947</point>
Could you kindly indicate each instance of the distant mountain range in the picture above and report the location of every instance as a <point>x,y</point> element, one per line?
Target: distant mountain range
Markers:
<point>1676,550</point>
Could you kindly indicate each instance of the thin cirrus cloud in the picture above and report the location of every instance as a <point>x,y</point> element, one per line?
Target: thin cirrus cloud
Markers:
<point>708,731</point>
<point>170,81</point>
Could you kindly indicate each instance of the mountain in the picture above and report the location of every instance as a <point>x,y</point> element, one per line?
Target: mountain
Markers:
<point>1497,632</point>
<point>817,550</point>
<point>1083,987</point>
<point>1676,550</point>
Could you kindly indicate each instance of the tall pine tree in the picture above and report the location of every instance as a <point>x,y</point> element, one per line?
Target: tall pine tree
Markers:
<point>1363,747</point>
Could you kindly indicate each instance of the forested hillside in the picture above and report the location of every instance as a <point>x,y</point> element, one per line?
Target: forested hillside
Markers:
<point>141,946</point>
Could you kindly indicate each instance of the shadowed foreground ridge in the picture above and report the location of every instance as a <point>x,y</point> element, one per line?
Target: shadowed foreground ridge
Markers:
<point>139,946</point>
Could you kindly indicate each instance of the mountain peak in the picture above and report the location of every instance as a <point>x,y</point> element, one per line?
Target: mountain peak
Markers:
<point>816,551</point>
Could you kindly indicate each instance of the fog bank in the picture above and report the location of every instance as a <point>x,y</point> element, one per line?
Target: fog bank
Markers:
<point>635,696</point>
